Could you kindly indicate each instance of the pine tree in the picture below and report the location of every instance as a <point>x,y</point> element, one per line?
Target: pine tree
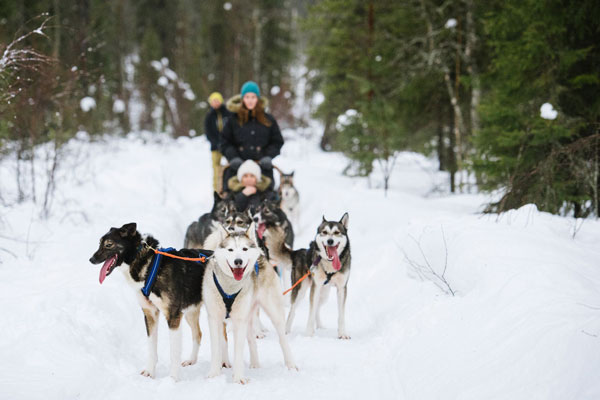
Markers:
<point>543,52</point>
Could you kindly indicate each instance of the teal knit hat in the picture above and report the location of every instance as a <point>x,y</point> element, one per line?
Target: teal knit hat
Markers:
<point>250,87</point>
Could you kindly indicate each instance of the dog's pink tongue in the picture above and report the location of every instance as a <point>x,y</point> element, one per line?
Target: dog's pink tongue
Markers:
<point>261,230</point>
<point>238,273</point>
<point>107,264</point>
<point>333,253</point>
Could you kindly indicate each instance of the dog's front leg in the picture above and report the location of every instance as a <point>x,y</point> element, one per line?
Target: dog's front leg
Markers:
<point>151,320</point>
<point>315,296</point>
<point>192,317</point>
<point>225,348</point>
<point>252,340</point>
<point>240,328</point>
<point>341,298</point>
<point>296,296</point>
<point>214,325</point>
<point>174,322</point>
<point>273,305</point>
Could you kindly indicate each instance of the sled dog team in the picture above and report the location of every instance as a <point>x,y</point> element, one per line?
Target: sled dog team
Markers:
<point>230,264</point>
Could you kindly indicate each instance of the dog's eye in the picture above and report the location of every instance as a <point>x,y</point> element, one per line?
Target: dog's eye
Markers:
<point>230,249</point>
<point>245,249</point>
<point>108,245</point>
<point>336,233</point>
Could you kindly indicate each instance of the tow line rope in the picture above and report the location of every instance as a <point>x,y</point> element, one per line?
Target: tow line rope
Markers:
<point>310,270</point>
<point>156,264</point>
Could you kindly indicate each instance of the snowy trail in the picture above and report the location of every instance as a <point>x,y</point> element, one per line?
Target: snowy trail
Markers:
<point>524,323</point>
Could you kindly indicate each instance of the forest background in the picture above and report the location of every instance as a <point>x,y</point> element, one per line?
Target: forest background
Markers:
<point>505,94</point>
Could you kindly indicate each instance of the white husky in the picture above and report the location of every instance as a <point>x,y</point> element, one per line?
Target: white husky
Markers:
<point>237,280</point>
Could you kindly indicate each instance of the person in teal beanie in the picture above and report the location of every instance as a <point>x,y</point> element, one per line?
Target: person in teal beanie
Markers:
<point>250,133</point>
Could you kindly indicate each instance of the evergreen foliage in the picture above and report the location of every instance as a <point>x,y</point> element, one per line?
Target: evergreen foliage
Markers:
<point>542,52</point>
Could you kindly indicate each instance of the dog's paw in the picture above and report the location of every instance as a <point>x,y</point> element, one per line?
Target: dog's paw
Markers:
<point>187,363</point>
<point>309,332</point>
<point>260,335</point>
<point>147,374</point>
<point>175,377</point>
<point>241,380</point>
<point>343,336</point>
<point>226,365</point>
<point>292,367</point>
<point>255,365</point>
<point>214,373</point>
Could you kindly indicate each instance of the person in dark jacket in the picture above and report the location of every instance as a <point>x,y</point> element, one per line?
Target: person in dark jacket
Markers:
<point>250,187</point>
<point>213,126</point>
<point>250,133</point>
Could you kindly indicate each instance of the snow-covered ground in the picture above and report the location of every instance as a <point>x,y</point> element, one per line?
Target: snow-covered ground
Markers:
<point>524,322</point>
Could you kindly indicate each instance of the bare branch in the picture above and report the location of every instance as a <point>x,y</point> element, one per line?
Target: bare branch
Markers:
<point>427,272</point>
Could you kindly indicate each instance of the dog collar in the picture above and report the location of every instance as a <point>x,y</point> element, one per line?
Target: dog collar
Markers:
<point>228,299</point>
<point>153,272</point>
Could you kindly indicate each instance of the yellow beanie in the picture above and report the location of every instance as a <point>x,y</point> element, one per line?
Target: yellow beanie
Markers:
<point>215,95</point>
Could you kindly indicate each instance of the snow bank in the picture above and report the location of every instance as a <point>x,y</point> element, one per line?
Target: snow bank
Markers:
<point>523,324</point>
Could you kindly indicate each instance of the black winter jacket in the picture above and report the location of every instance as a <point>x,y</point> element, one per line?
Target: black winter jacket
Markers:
<point>251,141</point>
<point>211,128</point>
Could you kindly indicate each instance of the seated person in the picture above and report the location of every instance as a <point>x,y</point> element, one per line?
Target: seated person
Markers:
<point>250,187</point>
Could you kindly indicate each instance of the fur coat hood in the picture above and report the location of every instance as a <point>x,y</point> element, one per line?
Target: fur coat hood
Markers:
<point>234,103</point>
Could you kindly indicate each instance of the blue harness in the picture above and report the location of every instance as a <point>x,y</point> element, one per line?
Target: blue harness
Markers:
<point>151,278</point>
<point>228,299</point>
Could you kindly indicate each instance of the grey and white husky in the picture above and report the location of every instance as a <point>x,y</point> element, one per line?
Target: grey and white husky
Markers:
<point>274,228</point>
<point>237,280</point>
<point>328,256</point>
<point>198,232</point>
<point>290,198</point>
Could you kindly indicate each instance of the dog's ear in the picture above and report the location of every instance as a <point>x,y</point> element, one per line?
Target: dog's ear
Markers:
<point>324,220</point>
<point>217,197</point>
<point>251,233</point>
<point>292,174</point>
<point>344,220</point>
<point>249,213</point>
<point>128,229</point>
<point>223,230</point>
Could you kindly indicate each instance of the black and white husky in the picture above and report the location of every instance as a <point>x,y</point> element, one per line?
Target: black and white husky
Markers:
<point>198,231</point>
<point>237,280</point>
<point>275,230</point>
<point>328,256</point>
<point>176,290</point>
<point>290,199</point>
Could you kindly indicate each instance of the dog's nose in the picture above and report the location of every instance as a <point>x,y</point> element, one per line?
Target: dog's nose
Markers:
<point>238,262</point>
<point>92,260</point>
<point>330,242</point>
<point>255,219</point>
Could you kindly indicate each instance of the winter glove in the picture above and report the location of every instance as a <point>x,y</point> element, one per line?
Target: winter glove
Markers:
<point>266,163</point>
<point>235,163</point>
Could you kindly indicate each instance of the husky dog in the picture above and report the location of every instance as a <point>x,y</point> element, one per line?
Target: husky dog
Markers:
<point>274,228</point>
<point>237,280</point>
<point>237,221</point>
<point>290,199</point>
<point>328,256</point>
<point>269,216</point>
<point>177,289</point>
<point>200,230</point>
